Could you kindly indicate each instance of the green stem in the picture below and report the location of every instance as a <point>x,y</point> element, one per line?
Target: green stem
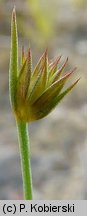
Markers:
<point>23,138</point>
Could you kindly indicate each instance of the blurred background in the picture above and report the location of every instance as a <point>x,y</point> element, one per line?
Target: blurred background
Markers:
<point>58,142</point>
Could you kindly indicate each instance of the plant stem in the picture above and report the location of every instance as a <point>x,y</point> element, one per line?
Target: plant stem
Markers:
<point>23,138</point>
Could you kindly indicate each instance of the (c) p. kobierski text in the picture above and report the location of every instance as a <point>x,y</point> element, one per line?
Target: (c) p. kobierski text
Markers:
<point>52,208</point>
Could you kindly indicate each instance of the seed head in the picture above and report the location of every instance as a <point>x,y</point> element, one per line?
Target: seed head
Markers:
<point>35,93</point>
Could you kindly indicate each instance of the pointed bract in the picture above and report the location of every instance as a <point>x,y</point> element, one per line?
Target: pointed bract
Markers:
<point>13,68</point>
<point>39,65</point>
<point>22,56</point>
<point>53,67</point>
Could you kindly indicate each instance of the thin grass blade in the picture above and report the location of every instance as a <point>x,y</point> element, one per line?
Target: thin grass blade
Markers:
<point>13,68</point>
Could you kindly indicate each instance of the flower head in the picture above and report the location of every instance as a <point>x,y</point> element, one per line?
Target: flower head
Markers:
<point>34,94</point>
